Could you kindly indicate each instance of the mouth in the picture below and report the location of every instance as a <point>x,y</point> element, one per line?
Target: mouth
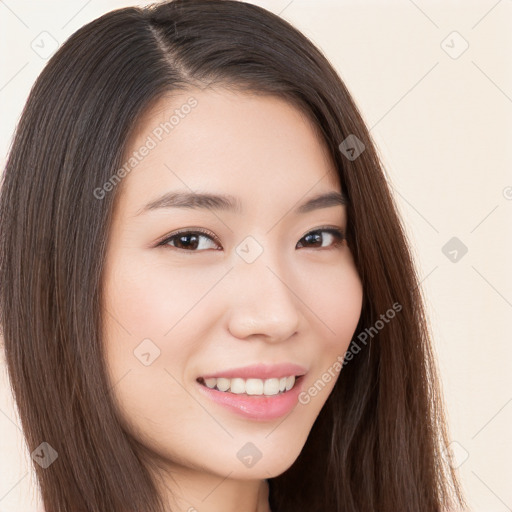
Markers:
<point>252,386</point>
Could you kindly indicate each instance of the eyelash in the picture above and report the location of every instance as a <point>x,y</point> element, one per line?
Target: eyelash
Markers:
<point>337,233</point>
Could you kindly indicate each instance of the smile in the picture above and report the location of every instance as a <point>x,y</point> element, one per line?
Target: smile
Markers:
<point>253,398</point>
<point>239,386</point>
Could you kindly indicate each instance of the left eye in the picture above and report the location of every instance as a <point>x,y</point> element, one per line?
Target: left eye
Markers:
<point>335,235</point>
<point>190,240</point>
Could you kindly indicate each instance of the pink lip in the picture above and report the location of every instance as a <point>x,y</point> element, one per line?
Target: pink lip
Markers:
<point>257,407</point>
<point>260,371</point>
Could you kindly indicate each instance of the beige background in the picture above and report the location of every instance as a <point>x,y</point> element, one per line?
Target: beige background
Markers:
<point>442,121</point>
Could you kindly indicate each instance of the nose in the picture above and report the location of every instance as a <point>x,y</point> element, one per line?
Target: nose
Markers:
<point>262,302</point>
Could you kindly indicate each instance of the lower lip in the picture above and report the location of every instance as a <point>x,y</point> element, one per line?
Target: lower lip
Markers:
<point>257,407</point>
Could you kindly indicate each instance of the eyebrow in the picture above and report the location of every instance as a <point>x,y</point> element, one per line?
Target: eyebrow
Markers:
<point>198,200</point>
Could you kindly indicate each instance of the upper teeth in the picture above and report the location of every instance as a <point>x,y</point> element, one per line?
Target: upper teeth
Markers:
<point>252,386</point>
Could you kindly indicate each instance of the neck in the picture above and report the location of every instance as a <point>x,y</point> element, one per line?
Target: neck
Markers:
<point>187,490</point>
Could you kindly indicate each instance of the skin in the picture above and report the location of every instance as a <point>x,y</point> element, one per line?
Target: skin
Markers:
<point>210,310</point>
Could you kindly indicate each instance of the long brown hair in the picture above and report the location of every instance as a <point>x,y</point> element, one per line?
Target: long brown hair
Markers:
<point>377,443</point>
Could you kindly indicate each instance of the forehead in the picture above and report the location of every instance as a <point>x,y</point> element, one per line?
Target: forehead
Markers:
<point>257,147</point>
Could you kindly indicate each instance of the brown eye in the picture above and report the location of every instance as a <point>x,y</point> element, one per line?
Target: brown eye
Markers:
<point>198,240</point>
<point>190,241</point>
<point>334,239</point>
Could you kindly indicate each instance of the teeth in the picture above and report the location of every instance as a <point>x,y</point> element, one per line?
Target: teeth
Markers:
<point>239,386</point>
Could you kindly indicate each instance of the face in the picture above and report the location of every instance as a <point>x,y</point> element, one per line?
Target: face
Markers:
<point>250,296</point>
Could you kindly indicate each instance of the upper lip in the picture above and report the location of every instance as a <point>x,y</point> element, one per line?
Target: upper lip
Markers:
<point>259,371</point>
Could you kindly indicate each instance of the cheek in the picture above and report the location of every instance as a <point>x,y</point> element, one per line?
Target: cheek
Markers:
<point>146,347</point>
<point>143,334</point>
<point>150,298</point>
<point>155,322</point>
<point>335,296</point>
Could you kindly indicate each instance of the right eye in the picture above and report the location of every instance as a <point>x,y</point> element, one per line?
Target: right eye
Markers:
<point>188,241</point>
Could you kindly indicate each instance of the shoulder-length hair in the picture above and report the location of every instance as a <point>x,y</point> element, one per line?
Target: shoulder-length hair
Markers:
<point>377,444</point>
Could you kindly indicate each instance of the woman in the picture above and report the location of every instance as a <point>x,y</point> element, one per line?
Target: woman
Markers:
<point>208,300</point>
